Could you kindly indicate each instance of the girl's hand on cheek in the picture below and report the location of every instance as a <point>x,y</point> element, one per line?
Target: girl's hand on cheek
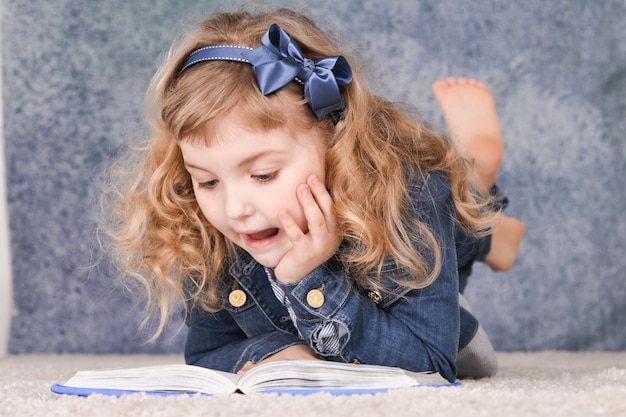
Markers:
<point>319,243</point>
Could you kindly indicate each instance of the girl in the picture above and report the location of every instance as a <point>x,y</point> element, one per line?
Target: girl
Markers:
<point>296,214</point>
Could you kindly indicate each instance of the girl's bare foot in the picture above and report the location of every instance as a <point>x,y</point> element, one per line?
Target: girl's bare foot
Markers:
<point>469,110</point>
<point>507,233</point>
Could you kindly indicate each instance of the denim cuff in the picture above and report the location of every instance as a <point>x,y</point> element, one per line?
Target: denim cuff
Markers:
<point>264,346</point>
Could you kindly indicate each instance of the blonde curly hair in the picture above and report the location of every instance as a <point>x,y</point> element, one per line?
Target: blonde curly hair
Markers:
<point>157,232</point>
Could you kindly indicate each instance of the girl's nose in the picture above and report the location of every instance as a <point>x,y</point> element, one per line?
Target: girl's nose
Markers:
<point>238,204</point>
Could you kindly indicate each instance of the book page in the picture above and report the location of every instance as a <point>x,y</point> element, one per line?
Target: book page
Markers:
<point>331,376</point>
<point>183,378</point>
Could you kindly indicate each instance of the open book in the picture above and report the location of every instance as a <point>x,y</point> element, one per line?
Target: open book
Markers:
<point>294,377</point>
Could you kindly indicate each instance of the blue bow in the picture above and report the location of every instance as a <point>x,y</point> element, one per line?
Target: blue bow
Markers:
<point>279,61</point>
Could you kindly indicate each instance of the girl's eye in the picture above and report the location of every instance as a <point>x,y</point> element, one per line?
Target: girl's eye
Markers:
<point>208,184</point>
<point>265,177</point>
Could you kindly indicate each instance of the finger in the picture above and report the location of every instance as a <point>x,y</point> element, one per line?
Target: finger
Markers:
<point>313,214</point>
<point>246,367</point>
<point>326,234</point>
<point>290,227</point>
<point>322,197</point>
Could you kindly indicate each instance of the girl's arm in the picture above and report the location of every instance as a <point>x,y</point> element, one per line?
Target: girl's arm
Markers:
<point>216,341</point>
<point>416,330</point>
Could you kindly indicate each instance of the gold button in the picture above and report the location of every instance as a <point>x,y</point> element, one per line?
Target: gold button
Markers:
<point>315,298</point>
<point>237,298</point>
<point>375,296</point>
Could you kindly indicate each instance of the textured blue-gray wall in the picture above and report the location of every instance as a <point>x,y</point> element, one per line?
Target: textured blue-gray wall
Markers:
<point>74,77</point>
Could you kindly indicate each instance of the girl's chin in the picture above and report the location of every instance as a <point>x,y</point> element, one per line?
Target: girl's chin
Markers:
<point>269,258</point>
<point>266,261</point>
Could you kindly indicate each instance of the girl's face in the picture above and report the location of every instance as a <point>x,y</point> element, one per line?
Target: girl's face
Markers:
<point>244,178</point>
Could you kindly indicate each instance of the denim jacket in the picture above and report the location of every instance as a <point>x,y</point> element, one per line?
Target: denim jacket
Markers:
<point>416,329</point>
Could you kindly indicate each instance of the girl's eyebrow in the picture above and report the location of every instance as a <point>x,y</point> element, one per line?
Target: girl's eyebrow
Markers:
<point>246,161</point>
<point>250,159</point>
<point>190,166</point>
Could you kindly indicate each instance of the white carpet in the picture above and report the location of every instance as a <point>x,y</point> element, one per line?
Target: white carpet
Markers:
<point>528,384</point>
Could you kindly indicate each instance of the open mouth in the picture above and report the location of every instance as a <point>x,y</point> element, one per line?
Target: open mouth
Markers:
<point>263,234</point>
